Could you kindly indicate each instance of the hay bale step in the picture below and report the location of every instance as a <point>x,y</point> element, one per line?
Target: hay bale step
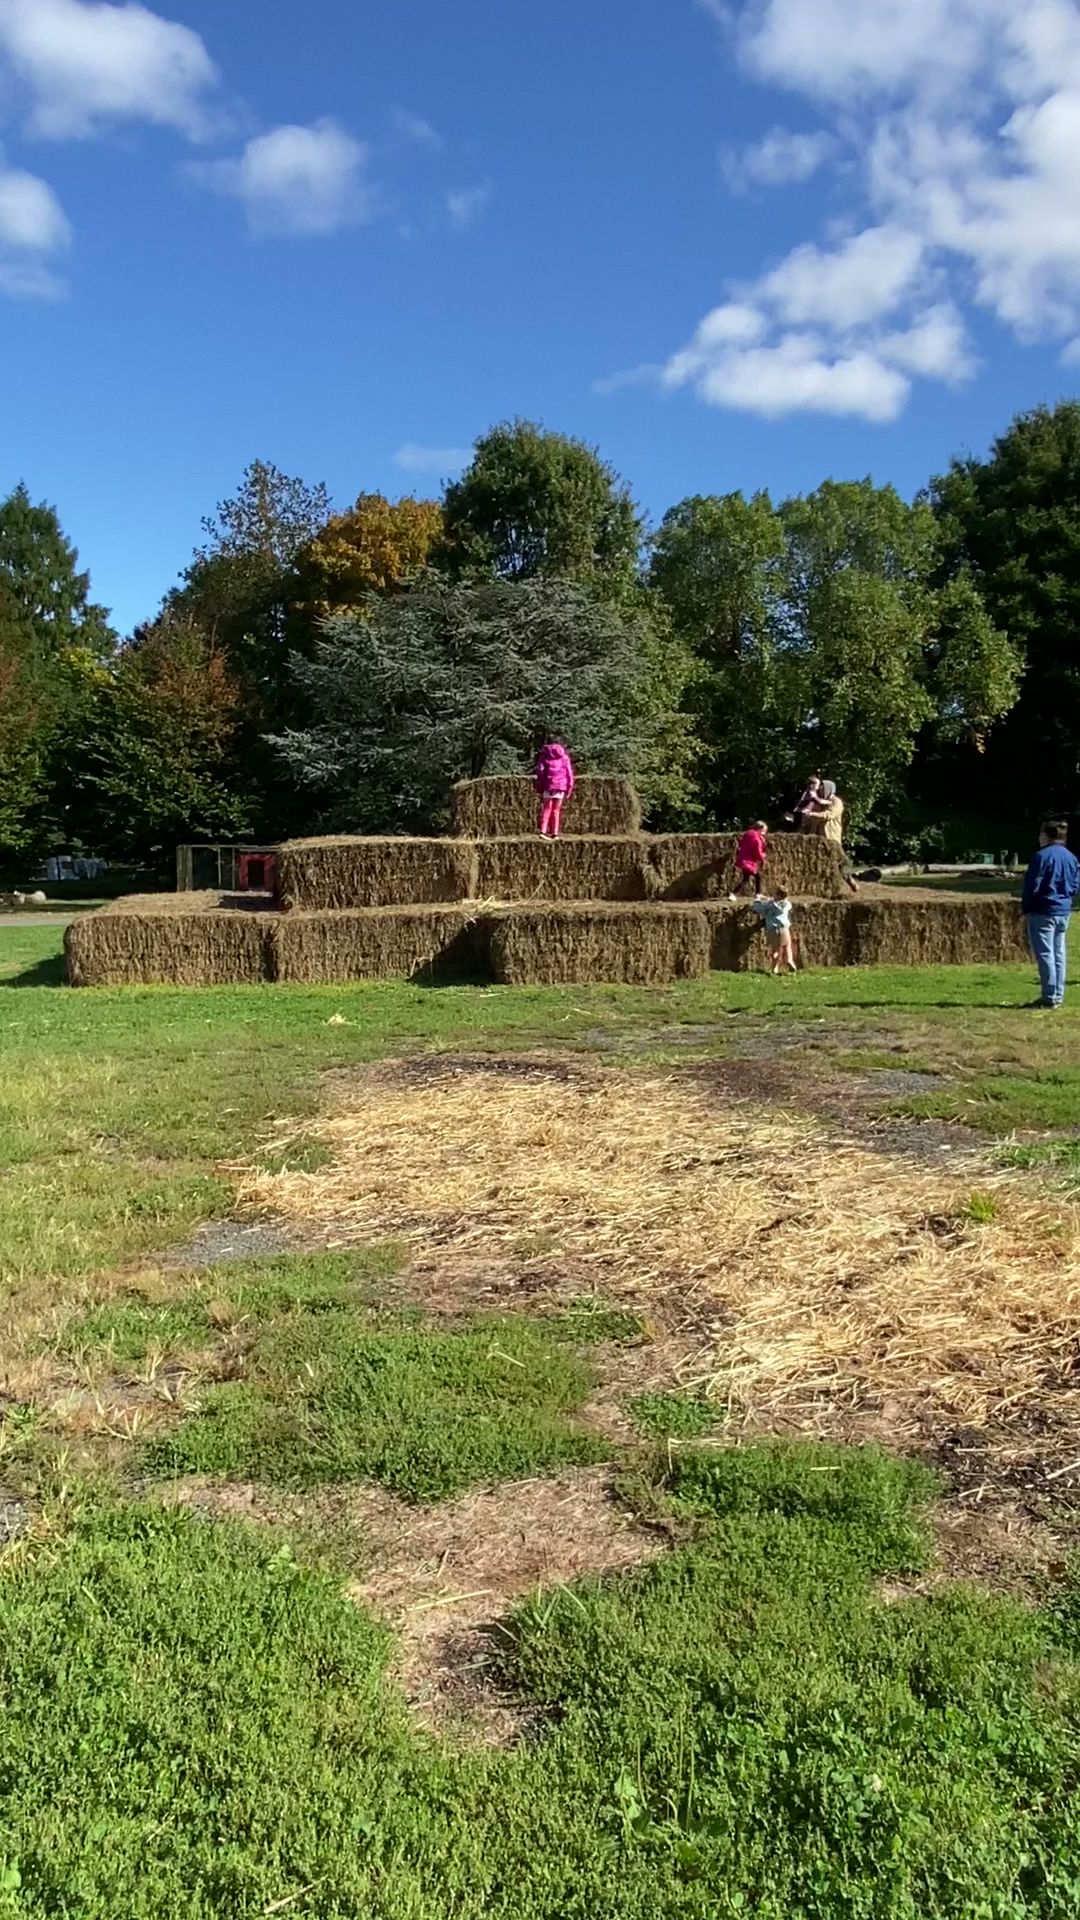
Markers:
<point>946,932</point>
<point>691,866</point>
<point>331,875</point>
<point>503,806</point>
<point>578,868</point>
<point>171,940</point>
<point>380,943</point>
<point>327,874</point>
<point>205,940</point>
<point>590,943</point>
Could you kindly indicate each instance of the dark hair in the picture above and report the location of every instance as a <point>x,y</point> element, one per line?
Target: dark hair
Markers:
<point>1056,829</point>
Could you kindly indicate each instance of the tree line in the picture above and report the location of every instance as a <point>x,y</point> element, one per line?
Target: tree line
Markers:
<point>321,670</point>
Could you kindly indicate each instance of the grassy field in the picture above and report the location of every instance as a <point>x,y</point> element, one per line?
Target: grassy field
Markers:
<point>407,1570</point>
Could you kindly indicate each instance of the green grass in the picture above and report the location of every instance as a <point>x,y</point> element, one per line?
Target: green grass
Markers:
<point>336,1388</point>
<point>1040,1100</point>
<point>233,1293</point>
<point>674,1416</point>
<point>426,1413</point>
<point>194,1722</point>
<point>1061,1157</point>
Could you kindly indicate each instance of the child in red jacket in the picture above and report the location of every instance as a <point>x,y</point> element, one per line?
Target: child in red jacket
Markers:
<point>750,857</point>
<point>554,779</point>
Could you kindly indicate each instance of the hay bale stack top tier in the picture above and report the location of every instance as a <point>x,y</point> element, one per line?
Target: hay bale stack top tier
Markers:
<point>504,806</point>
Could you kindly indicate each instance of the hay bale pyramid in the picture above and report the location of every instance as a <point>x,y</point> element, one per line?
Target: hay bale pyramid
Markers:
<point>606,903</point>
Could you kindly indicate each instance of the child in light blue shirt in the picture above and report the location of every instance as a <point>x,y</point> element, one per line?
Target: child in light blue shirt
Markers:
<point>776,913</point>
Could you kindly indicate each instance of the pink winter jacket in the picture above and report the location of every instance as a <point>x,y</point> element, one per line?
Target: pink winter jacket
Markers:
<point>554,771</point>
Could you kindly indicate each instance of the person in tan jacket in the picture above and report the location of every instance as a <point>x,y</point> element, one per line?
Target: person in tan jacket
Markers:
<point>827,821</point>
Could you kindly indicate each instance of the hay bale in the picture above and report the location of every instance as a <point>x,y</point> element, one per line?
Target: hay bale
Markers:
<point>823,931</point>
<point>644,946</point>
<point>693,866</point>
<point>581,867</point>
<point>170,940</point>
<point>863,933</point>
<point>503,806</point>
<point>327,874</point>
<point>380,943</point>
<point>985,930</point>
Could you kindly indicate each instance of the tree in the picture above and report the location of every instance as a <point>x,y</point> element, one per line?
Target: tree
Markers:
<point>51,636</point>
<point>447,680</point>
<point>155,759</point>
<point>824,641</point>
<point>239,592</point>
<point>21,759</point>
<point>539,506</point>
<point>718,567</point>
<point>376,547</point>
<point>1010,525</point>
<point>239,585</point>
<point>44,592</point>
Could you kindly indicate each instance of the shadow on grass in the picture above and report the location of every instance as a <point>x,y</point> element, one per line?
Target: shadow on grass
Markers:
<point>47,973</point>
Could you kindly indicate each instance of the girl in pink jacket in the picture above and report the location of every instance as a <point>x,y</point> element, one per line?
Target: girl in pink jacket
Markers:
<point>554,780</point>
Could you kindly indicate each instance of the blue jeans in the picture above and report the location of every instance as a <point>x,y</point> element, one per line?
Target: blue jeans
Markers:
<point>1047,936</point>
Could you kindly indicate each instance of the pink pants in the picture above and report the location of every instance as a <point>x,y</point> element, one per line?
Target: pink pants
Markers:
<point>551,805</point>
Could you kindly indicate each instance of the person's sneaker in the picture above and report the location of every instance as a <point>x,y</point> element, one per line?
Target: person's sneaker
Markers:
<point>1044,1006</point>
<point>734,899</point>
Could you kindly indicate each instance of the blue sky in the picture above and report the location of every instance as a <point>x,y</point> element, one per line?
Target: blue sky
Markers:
<point>734,245</point>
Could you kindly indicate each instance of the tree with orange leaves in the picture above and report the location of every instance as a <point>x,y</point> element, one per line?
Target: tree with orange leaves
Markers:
<point>376,547</point>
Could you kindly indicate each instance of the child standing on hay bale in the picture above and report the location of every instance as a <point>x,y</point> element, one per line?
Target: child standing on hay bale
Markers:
<point>554,779</point>
<point>776,913</point>
<point>750,857</point>
<point>810,803</point>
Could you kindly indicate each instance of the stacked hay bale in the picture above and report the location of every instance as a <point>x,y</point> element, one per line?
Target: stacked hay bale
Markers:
<point>322,875</point>
<point>502,807</point>
<point>606,904</point>
<point>640,946</point>
<point>694,866</point>
<point>381,943</point>
<point>172,939</point>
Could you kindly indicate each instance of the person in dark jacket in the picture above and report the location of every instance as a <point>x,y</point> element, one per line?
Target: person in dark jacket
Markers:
<point>1051,885</point>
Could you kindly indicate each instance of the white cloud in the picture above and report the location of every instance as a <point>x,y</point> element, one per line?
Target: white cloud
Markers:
<point>839,49</point>
<point>960,127</point>
<point>466,204</point>
<point>809,336</point>
<point>33,226</point>
<point>935,346</point>
<point>858,281</point>
<point>645,375</point>
<point>781,159</point>
<point>304,180</point>
<point>441,461</point>
<point>84,64</point>
<point>412,126</point>
<point>797,375</point>
<point>31,216</point>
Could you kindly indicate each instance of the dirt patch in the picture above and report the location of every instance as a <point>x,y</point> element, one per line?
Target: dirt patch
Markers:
<point>445,1577</point>
<point>226,1240</point>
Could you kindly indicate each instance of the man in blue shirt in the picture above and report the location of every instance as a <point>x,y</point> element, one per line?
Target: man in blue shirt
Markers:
<point>1051,885</point>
